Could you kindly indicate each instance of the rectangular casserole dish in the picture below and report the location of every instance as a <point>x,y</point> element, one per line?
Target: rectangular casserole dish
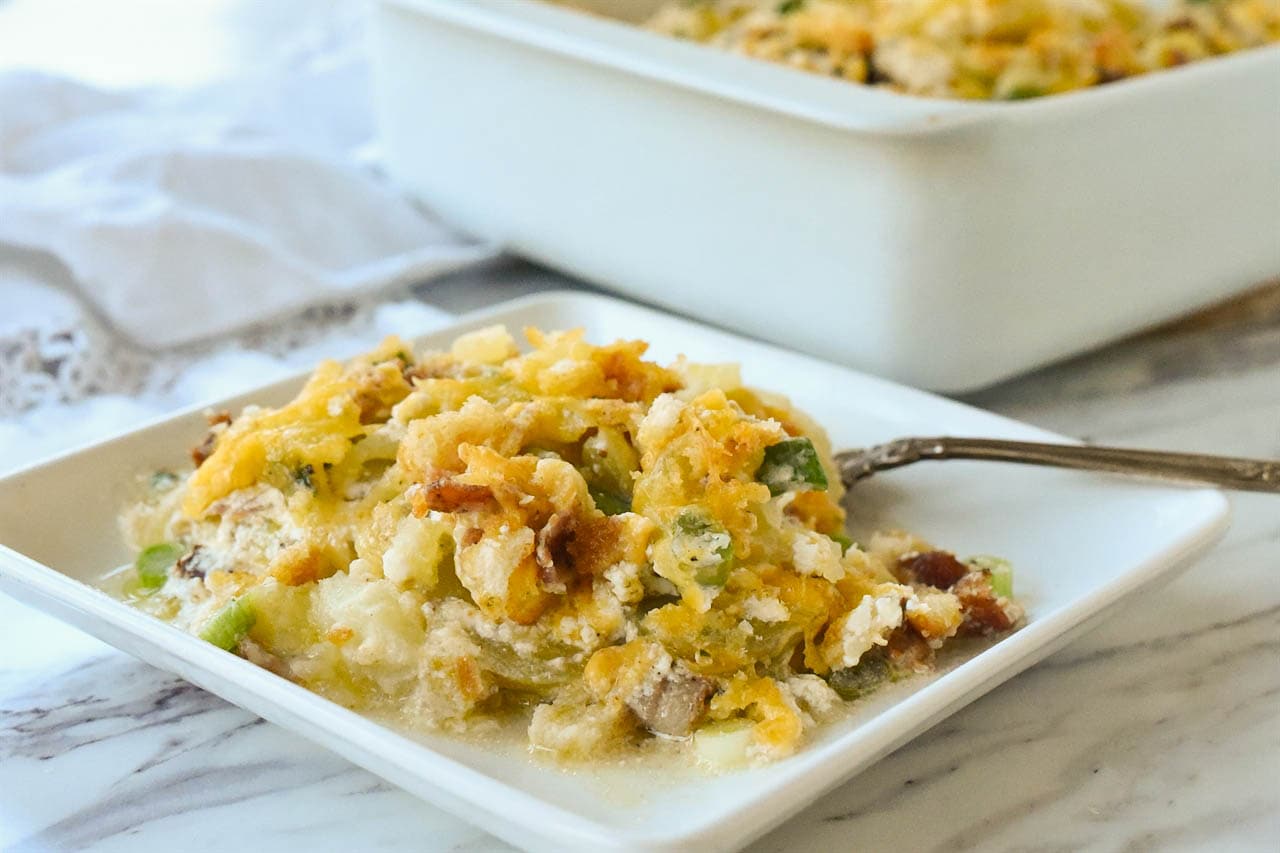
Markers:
<point>947,244</point>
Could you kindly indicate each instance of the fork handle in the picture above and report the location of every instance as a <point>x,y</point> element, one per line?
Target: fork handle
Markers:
<point>1255,475</point>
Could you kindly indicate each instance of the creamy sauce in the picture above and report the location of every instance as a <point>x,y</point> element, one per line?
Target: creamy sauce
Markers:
<point>616,775</point>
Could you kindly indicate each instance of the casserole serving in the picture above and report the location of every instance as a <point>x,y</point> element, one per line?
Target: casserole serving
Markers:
<point>1002,49</point>
<point>615,557</point>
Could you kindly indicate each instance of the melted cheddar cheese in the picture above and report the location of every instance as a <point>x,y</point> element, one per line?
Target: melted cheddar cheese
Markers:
<point>607,548</point>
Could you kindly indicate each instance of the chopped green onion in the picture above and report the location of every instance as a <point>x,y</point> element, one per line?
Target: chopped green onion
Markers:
<point>694,544</point>
<point>608,460</point>
<point>712,574</point>
<point>856,681</point>
<point>610,504</point>
<point>843,540</point>
<point>1022,93</point>
<point>998,570</point>
<point>163,480</point>
<point>229,625</point>
<point>791,466</point>
<point>692,523</point>
<point>786,7</point>
<point>154,563</point>
<point>303,475</point>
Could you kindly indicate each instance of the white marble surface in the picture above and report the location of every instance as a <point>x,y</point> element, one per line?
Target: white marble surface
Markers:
<point>1160,731</point>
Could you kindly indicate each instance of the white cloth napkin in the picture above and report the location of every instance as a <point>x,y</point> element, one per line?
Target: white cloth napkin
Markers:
<point>148,236</point>
<point>184,217</point>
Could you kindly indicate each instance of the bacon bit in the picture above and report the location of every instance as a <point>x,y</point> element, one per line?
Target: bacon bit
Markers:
<point>204,449</point>
<point>555,560</point>
<point>982,611</point>
<point>338,634</point>
<point>597,544</point>
<point>934,568</point>
<point>191,564</point>
<point>907,650</point>
<point>448,495</point>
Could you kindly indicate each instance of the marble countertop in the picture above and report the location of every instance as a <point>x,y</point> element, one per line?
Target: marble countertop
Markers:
<point>1159,731</point>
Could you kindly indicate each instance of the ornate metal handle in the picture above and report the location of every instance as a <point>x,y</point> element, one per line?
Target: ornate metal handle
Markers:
<point>1255,475</point>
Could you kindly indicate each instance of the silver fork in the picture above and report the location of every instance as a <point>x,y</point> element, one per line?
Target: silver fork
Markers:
<point>1253,475</point>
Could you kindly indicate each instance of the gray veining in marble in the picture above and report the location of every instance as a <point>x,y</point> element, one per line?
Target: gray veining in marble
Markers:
<point>1159,731</point>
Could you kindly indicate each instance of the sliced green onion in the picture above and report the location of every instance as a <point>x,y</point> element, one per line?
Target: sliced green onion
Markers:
<point>155,562</point>
<point>712,574</point>
<point>163,480</point>
<point>694,542</point>
<point>1022,93</point>
<point>792,466</point>
<point>608,461</point>
<point>610,504</point>
<point>303,474</point>
<point>999,571</point>
<point>692,523</point>
<point>843,540</point>
<point>857,681</point>
<point>229,625</point>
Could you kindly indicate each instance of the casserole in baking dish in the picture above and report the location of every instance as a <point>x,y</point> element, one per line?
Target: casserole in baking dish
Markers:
<point>945,243</point>
<point>1003,49</point>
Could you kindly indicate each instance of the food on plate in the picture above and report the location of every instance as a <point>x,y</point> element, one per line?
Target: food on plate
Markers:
<point>1002,49</point>
<point>577,540</point>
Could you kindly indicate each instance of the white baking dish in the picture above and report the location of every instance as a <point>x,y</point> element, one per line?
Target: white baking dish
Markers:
<point>1081,544</point>
<point>943,243</point>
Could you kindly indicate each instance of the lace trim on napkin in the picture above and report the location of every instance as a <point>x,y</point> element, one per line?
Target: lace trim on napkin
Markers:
<point>67,355</point>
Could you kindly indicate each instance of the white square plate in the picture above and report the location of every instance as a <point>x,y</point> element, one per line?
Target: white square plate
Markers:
<point>1079,542</point>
